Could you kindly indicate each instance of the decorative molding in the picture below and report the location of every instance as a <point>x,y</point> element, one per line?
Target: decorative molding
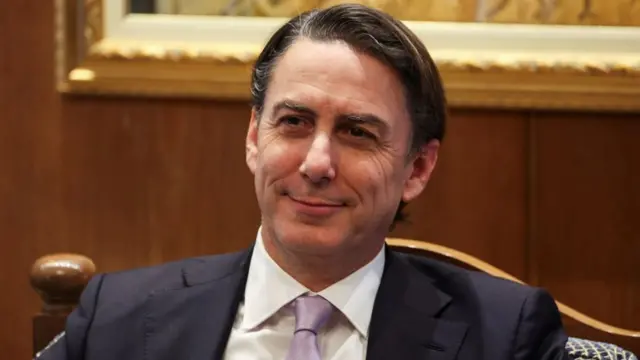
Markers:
<point>93,24</point>
<point>511,71</point>
<point>171,54</point>
<point>159,52</point>
<point>631,68</point>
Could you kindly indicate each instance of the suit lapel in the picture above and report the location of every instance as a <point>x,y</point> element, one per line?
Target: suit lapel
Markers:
<point>405,323</point>
<point>194,321</point>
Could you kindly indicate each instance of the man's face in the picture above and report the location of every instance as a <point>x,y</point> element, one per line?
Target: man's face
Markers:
<point>329,151</point>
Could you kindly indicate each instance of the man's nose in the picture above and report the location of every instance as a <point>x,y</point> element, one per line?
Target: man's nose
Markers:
<point>318,164</point>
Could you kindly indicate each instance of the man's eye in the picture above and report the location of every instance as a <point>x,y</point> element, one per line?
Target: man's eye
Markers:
<point>360,133</point>
<point>292,121</point>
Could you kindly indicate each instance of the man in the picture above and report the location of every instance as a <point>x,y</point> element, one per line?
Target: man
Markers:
<point>348,115</point>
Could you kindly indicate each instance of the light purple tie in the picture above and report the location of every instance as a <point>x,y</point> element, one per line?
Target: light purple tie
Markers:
<point>312,313</point>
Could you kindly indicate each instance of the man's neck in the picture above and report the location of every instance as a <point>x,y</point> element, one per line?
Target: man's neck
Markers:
<point>318,272</point>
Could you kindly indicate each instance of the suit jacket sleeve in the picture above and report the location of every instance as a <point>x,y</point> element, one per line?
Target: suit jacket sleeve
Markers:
<point>71,344</point>
<point>540,333</point>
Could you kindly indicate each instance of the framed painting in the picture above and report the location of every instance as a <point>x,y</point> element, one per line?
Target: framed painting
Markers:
<point>532,54</point>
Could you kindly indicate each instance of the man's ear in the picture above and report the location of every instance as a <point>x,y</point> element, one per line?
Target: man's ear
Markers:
<point>421,168</point>
<point>251,146</point>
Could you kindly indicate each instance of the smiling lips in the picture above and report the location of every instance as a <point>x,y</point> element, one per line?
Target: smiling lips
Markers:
<point>315,206</point>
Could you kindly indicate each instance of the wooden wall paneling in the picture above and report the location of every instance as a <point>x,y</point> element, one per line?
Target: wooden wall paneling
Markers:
<point>587,211</point>
<point>476,200</point>
<point>149,181</point>
<point>30,211</point>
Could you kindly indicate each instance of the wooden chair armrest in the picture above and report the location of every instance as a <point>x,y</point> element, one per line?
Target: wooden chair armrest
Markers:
<point>59,279</point>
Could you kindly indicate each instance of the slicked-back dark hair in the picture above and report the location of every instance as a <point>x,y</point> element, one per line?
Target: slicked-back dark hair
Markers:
<point>377,34</point>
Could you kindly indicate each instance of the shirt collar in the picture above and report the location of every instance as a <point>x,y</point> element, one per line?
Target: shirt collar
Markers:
<point>269,288</point>
<point>354,295</point>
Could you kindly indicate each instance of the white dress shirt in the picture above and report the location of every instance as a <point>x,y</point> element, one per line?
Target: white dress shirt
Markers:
<point>265,322</point>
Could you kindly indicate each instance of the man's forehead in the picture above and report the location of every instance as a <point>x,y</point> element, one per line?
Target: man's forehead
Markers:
<point>303,51</point>
<point>311,61</point>
<point>319,74</point>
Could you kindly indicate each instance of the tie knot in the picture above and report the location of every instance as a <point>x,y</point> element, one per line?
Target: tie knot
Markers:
<point>312,312</point>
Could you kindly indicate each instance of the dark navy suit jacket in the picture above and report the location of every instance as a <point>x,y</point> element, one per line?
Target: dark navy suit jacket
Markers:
<point>424,309</point>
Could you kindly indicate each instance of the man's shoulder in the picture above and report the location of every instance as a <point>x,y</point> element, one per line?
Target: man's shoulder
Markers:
<point>471,284</point>
<point>503,316</point>
<point>127,286</point>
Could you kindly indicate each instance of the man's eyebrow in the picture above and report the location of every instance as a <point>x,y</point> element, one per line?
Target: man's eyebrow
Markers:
<point>293,106</point>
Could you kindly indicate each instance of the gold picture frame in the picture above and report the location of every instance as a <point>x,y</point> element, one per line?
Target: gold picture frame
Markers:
<point>102,49</point>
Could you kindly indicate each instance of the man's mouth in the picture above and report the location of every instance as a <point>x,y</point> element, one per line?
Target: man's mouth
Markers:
<point>313,201</point>
<point>315,207</point>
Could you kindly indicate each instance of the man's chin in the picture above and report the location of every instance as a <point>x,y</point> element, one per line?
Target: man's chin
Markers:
<point>311,238</point>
